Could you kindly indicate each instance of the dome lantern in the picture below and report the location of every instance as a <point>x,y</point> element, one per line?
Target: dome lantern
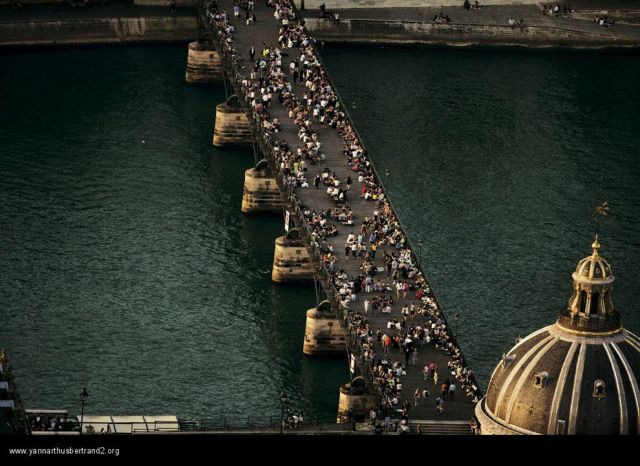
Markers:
<point>590,308</point>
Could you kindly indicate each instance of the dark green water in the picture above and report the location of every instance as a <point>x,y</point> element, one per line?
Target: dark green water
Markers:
<point>128,267</point>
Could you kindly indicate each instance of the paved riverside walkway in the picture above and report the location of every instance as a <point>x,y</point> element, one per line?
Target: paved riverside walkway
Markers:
<point>265,31</point>
<point>498,15</point>
<point>115,9</point>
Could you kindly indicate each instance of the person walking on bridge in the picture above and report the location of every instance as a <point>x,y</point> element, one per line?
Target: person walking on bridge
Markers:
<point>443,390</point>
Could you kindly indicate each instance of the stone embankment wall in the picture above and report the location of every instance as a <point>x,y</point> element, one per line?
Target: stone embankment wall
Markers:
<point>181,28</point>
<point>332,5</point>
<point>135,2</point>
<point>404,32</point>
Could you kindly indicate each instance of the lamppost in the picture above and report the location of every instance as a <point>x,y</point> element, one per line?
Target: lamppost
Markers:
<point>83,397</point>
<point>283,399</point>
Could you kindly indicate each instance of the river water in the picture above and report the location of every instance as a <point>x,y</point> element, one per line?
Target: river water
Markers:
<point>127,266</point>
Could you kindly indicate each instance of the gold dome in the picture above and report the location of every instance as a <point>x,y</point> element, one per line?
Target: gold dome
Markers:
<point>577,376</point>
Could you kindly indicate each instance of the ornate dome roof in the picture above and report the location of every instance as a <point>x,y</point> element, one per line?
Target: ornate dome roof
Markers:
<point>553,382</point>
<point>577,376</point>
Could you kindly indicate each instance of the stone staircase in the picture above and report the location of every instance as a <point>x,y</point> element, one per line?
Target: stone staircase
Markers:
<point>441,427</point>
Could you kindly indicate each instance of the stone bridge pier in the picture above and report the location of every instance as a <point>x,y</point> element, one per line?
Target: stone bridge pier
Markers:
<point>261,194</point>
<point>355,401</point>
<point>291,260</point>
<point>204,64</point>
<point>324,334</point>
<point>232,127</point>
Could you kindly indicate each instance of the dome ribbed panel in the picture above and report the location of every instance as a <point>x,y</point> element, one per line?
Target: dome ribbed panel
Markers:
<point>627,385</point>
<point>595,415</point>
<point>564,404</point>
<point>530,405</point>
<point>501,374</point>
<point>632,354</point>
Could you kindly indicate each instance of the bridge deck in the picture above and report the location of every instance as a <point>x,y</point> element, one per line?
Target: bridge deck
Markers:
<point>265,30</point>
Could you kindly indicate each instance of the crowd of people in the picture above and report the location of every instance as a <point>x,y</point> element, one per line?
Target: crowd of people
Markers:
<point>468,6</point>
<point>605,21</point>
<point>50,423</point>
<point>422,320</point>
<point>513,23</point>
<point>556,10</point>
<point>441,18</point>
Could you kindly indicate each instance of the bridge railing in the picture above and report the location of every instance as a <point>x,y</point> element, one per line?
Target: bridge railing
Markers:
<point>378,180</point>
<point>264,140</point>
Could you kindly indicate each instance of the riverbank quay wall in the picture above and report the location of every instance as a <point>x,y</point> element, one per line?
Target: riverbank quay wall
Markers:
<point>371,31</point>
<point>296,200</point>
<point>338,5</point>
<point>95,30</point>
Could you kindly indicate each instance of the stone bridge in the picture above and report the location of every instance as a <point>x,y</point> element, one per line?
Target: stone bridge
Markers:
<point>341,324</point>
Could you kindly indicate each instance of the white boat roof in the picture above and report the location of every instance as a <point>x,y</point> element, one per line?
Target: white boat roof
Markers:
<point>61,412</point>
<point>131,424</point>
<point>162,423</point>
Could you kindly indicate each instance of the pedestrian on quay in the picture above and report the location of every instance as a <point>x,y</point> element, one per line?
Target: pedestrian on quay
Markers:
<point>416,396</point>
<point>252,54</point>
<point>439,406</point>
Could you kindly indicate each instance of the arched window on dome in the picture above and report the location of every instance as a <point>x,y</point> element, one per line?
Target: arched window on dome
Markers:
<point>540,380</point>
<point>583,301</point>
<point>599,389</point>
<point>595,300</point>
